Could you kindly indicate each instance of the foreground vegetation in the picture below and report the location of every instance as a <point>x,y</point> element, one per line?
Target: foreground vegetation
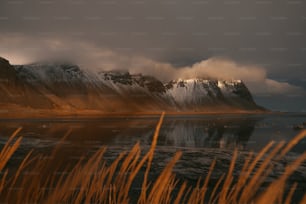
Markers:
<point>93,181</point>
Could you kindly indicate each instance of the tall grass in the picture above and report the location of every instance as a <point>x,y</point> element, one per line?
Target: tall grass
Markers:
<point>93,181</point>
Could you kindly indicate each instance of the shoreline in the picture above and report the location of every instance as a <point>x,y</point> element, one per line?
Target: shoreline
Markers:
<point>93,114</point>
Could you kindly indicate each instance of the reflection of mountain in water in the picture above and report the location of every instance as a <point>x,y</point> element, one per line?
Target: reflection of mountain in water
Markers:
<point>194,133</point>
<point>217,133</point>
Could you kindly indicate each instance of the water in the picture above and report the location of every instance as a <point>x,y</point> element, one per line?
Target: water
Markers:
<point>201,138</point>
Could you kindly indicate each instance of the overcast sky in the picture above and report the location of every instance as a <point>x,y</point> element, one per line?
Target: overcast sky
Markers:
<point>219,38</point>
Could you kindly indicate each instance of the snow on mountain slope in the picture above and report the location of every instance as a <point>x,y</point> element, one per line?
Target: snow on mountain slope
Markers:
<point>189,91</point>
<point>50,72</point>
<point>84,89</point>
<point>65,85</point>
<point>146,91</point>
<point>196,93</point>
<point>124,82</point>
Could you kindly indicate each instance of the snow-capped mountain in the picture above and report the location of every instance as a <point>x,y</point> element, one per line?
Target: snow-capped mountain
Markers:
<point>201,93</point>
<point>67,86</point>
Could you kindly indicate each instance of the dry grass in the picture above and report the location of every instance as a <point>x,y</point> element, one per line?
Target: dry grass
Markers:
<point>93,181</point>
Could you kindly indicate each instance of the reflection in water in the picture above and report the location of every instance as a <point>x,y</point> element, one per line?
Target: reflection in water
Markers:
<point>212,133</point>
<point>221,133</point>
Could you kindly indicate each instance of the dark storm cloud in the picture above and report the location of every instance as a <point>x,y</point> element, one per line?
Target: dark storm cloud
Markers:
<point>266,33</point>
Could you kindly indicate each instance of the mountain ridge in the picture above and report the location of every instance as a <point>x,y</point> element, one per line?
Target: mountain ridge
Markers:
<point>64,86</point>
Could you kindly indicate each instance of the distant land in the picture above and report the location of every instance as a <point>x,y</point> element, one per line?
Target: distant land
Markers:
<point>65,89</point>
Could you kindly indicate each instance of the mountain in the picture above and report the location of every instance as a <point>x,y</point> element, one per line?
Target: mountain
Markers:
<point>65,86</point>
<point>200,93</point>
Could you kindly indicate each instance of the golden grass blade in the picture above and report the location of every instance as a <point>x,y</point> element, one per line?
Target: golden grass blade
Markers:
<point>275,187</point>
<point>166,198</point>
<point>203,190</point>
<point>187,193</point>
<point>128,165</point>
<point>85,181</point>
<point>303,201</point>
<point>156,191</point>
<point>256,180</point>
<point>9,148</point>
<point>212,196</point>
<point>19,170</point>
<point>75,179</point>
<point>292,143</point>
<point>21,167</point>
<point>145,158</point>
<point>60,142</point>
<point>194,194</point>
<point>228,179</point>
<point>241,180</point>
<point>9,152</point>
<point>290,194</point>
<point>180,193</point>
<point>273,191</point>
<point>2,181</point>
<point>255,161</point>
<point>143,195</point>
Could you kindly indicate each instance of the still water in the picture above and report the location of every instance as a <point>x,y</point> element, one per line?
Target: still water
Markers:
<point>201,138</point>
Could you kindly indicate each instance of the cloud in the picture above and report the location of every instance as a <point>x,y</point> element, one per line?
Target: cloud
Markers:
<point>22,49</point>
<point>254,76</point>
<point>270,87</point>
<point>222,68</point>
<point>217,68</point>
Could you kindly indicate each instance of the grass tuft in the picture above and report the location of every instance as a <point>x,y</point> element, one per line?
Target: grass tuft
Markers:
<point>93,181</point>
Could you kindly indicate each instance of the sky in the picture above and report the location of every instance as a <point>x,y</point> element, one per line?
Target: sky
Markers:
<point>262,42</point>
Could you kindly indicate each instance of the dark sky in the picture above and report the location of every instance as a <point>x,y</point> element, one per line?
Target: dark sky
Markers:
<point>270,34</point>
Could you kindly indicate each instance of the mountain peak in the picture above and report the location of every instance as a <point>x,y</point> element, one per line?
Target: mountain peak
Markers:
<point>3,60</point>
<point>7,71</point>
